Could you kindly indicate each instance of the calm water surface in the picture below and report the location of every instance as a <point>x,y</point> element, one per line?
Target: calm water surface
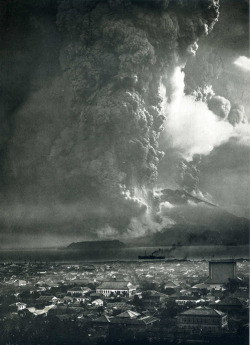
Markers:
<point>126,254</point>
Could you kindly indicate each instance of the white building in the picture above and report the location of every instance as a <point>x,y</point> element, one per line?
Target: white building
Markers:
<point>76,291</point>
<point>98,302</point>
<point>203,319</point>
<point>20,306</point>
<point>115,288</point>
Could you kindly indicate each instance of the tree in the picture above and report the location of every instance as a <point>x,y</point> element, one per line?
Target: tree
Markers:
<point>232,285</point>
<point>100,310</point>
<point>172,309</point>
<point>137,301</point>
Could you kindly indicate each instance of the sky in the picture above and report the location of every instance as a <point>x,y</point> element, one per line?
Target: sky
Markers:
<point>101,103</point>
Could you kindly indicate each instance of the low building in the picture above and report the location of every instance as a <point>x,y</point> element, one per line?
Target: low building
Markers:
<point>94,296</point>
<point>78,291</point>
<point>118,306</point>
<point>43,300</point>
<point>22,282</point>
<point>129,323</point>
<point>232,305</point>
<point>115,288</point>
<point>98,302</point>
<point>182,300</point>
<point>169,285</point>
<point>203,319</point>
<point>129,314</point>
<point>154,297</point>
<point>21,306</point>
<point>80,299</point>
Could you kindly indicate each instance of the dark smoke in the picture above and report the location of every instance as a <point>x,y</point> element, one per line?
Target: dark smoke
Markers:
<point>212,77</point>
<point>86,123</point>
<point>117,54</point>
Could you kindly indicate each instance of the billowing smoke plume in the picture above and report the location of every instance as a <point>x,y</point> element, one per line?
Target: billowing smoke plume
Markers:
<point>115,55</point>
<point>118,81</point>
<point>195,126</point>
<point>237,115</point>
<point>217,77</point>
<point>220,106</point>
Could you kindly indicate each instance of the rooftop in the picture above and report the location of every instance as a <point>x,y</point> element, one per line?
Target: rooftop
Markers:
<point>232,301</point>
<point>129,314</point>
<point>203,311</point>
<point>114,285</point>
<point>223,261</point>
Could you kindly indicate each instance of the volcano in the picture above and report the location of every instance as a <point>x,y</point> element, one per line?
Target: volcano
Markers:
<point>195,221</point>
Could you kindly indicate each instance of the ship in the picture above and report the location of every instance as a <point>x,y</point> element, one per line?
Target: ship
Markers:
<point>152,256</point>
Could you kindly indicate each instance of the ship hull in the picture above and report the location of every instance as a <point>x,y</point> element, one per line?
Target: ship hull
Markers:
<point>150,257</point>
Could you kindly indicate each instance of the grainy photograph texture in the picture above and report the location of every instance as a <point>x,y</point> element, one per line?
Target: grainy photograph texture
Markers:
<point>124,172</point>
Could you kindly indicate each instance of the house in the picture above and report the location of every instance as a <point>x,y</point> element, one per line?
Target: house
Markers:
<point>153,297</point>
<point>80,299</point>
<point>44,299</point>
<point>76,291</point>
<point>182,300</point>
<point>21,306</point>
<point>67,300</point>
<point>209,286</point>
<point>94,296</point>
<point>131,323</point>
<point>170,286</point>
<point>21,282</point>
<point>98,302</point>
<point>54,300</point>
<point>110,288</point>
<point>118,306</point>
<point>88,268</point>
<point>134,322</point>
<point>129,314</point>
<point>231,305</point>
<point>79,282</point>
<point>203,319</point>
<point>149,320</point>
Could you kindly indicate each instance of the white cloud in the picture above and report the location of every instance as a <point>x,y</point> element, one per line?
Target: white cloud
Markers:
<point>193,128</point>
<point>243,62</point>
<point>166,204</point>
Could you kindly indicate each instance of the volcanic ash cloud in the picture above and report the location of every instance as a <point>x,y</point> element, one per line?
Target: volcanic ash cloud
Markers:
<point>113,56</point>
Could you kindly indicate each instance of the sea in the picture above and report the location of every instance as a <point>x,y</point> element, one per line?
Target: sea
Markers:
<point>193,253</point>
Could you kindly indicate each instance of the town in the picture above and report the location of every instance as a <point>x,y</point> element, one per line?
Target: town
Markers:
<point>137,302</point>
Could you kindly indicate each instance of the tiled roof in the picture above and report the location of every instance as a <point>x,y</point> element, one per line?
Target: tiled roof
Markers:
<point>170,284</point>
<point>186,298</point>
<point>119,305</point>
<point>129,314</point>
<point>200,286</point>
<point>44,298</point>
<point>231,301</point>
<point>154,293</point>
<point>76,289</point>
<point>114,285</point>
<point>149,319</point>
<point>203,311</point>
<point>126,321</point>
<point>103,319</point>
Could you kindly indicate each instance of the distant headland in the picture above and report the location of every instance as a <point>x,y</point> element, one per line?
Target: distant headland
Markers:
<point>96,245</point>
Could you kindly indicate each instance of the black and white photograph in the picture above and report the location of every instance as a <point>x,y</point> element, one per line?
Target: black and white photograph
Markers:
<point>124,172</point>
